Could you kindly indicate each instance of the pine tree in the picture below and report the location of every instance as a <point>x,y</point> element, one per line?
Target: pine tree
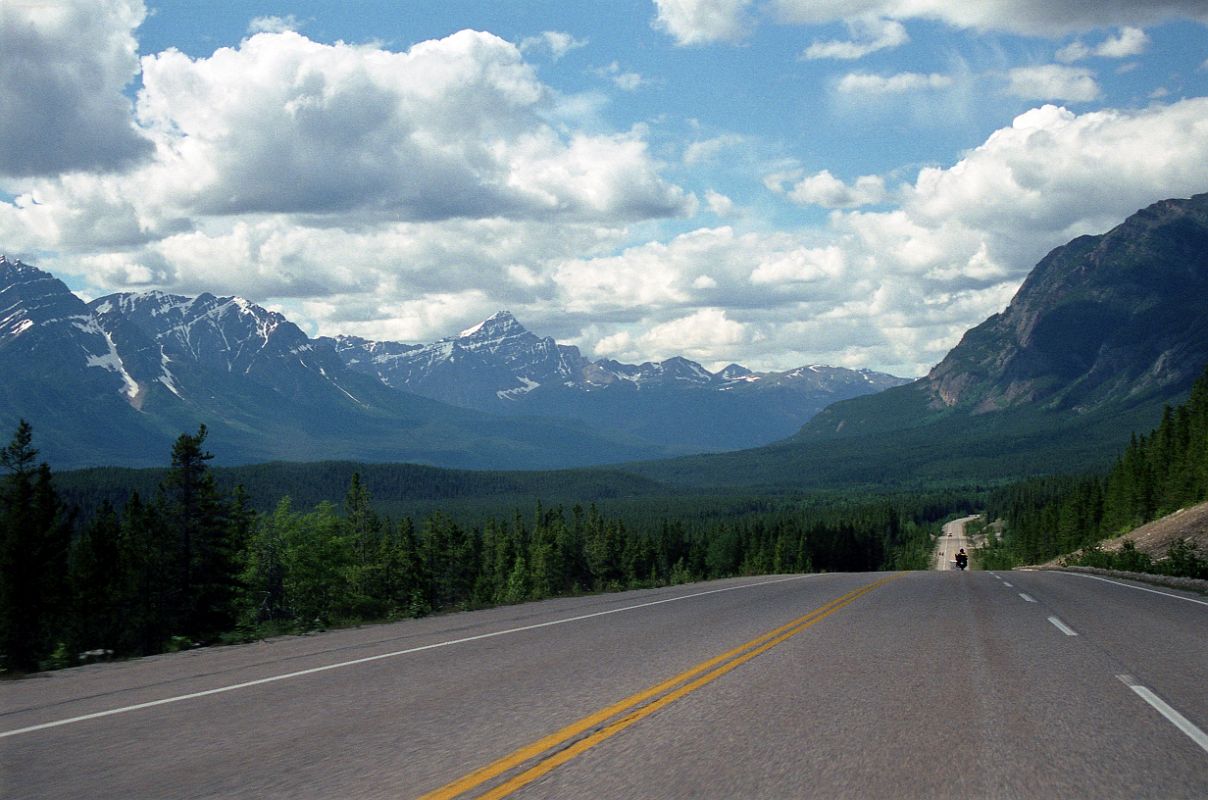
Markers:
<point>35,533</point>
<point>517,590</point>
<point>96,584</point>
<point>206,560</point>
<point>365,529</point>
<point>146,553</point>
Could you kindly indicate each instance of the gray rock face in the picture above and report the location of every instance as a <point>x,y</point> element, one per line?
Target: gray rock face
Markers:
<point>1101,320</point>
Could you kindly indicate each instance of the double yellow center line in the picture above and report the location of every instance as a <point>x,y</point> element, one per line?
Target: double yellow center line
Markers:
<point>552,751</point>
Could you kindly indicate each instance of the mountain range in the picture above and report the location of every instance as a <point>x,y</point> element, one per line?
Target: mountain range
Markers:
<point>114,381</point>
<point>500,367</point>
<point>1104,333</point>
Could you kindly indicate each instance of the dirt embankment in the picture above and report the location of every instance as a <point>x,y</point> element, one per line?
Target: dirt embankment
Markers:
<point>1155,538</point>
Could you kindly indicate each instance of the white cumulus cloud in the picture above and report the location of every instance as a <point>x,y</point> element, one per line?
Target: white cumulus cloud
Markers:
<point>698,336</point>
<point>624,80</point>
<point>824,189</point>
<point>448,129</point>
<point>1053,82</point>
<point>345,135</point>
<point>866,83</point>
<point>63,67</point>
<point>706,150</point>
<point>692,22</point>
<point>868,36</point>
<point>273,24</point>
<point>706,21</point>
<point>718,203</point>
<point>556,43</point>
<point>1031,17</point>
<point>897,288</point>
<point>1129,42</point>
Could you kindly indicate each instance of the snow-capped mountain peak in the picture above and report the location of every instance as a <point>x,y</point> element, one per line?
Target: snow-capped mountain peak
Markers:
<point>500,331</point>
<point>499,323</point>
<point>40,316</point>
<point>499,361</point>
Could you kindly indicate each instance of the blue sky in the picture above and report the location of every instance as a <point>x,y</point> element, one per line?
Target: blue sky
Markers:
<point>775,183</point>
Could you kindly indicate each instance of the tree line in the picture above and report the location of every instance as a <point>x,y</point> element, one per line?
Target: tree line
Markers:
<point>1156,475</point>
<point>191,564</point>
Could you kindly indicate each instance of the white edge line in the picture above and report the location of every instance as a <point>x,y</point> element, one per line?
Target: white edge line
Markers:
<point>1138,588</point>
<point>378,657</point>
<point>1178,720</point>
<point>1027,597</point>
<point>1061,626</point>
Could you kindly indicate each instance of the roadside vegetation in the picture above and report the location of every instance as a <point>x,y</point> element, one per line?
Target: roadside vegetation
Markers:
<point>1156,475</point>
<point>184,562</point>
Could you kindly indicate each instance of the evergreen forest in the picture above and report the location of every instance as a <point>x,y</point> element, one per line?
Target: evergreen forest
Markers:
<point>104,564</point>
<point>1156,475</point>
<point>185,562</point>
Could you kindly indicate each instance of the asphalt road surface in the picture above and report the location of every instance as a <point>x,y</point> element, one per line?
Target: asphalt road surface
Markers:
<point>927,684</point>
<point>952,539</point>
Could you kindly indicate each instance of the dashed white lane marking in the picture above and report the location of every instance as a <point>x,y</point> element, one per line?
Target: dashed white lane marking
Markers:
<point>298,674</point>
<point>1008,585</point>
<point>1027,598</point>
<point>1061,626</point>
<point>1138,588</point>
<point>1182,723</point>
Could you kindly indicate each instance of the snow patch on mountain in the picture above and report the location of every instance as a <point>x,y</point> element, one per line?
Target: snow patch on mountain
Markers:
<point>498,359</point>
<point>166,377</point>
<point>470,331</point>
<point>514,394</point>
<point>110,359</point>
<point>16,330</point>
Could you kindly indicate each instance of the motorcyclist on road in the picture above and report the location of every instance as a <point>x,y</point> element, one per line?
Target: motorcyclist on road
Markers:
<point>962,560</point>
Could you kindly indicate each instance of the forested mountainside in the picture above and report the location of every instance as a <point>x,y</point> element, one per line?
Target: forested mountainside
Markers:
<point>1158,473</point>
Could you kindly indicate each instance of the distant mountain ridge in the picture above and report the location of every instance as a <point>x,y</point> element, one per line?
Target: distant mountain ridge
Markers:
<point>513,362</point>
<point>113,381</point>
<point>501,367</point>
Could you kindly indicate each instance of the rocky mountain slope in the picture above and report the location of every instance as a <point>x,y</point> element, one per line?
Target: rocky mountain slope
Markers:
<point>1104,332</point>
<point>1105,322</point>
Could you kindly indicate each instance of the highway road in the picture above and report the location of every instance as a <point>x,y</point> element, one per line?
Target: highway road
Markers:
<point>952,540</point>
<point>925,684</point>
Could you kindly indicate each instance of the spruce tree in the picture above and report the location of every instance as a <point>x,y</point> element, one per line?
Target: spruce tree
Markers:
<point>95,570</point>
<point>206,560</point>
<point>365,529</point>
<point>35,533</point>
<point>147,555</point>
